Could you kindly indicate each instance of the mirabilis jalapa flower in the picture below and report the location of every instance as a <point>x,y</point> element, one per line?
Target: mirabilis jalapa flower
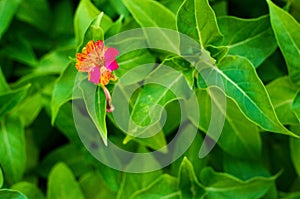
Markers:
<point>99,62</point>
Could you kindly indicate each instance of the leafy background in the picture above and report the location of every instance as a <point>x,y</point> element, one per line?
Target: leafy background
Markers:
<point>255,46</point>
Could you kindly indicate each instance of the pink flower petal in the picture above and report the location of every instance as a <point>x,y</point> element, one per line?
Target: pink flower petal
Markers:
<point>110,54</point>
<point>112,65</point>
<point>94,75</point>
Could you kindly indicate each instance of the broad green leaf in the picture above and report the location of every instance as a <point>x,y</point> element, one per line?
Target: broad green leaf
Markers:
<point>150,13</point>
<point>163,187</point>
<point>282,93</point>
<point>286,30</point>
<point>7,12</point>
<point>239,137</point>
<point>188,182</point>
<point>71,155</point>
<point>95,102</point>
<point>92,186</point>
<point>295,150</point>
<point>62,184</point>
<point>28,189</point>
<point>63,90</point>
<point>10,99</point>
<point>115,28</point>
<point>197,19</point>
<point>134,182</point>
<point>63,18</point>
<point>35,12</point>
<point>291,195</point>
<point>296,105</point>
<point>11,194</point>
<point>84,15</point>
<point>223,185</point>
<point>237,76</point>
<point>250,38</point>
<point>12,150</point>
<point>1,178</point>
<point>4,87</point>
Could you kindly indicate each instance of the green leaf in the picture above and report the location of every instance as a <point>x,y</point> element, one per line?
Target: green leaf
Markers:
<point>188,182</point>
<point>12,150</point>
<point>296,105</point>
<point>90,184</point>
<point>10,99</point>
<point>149,13</point>
<point>95,102</point>
<point>11,194</point>
<point>250,38</point>
<point>240,82</point>
<point>239,137</point>
<point>163,187</point>
<point>222,185</point>
<point>3,84</point>
<point>282,93</point>
<point>30,190</point>
<point>295,150</point>
<point>63,90</point>
<point>286,30</point>
<point>1,178</point>
<point>7,10</point>
<point>62,184</point>
<point>197,19</point>
<point>85,13</point>
<point>35,12</point>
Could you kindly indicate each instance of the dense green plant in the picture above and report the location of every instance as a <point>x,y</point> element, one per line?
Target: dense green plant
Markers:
<point>252,47</point>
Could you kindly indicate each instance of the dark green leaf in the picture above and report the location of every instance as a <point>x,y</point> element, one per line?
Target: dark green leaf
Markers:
<point>62,184</point>
<point>1,178</point>
<point>250,38</point>
<point>296,105</point>
<point>11,194</point>
<point>12,150</point>
<point>295,150</point>
<point>3,84</point>
<point>7,10</point>
<point>286,30</point>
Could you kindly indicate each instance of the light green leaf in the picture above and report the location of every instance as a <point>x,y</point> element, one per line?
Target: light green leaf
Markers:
<point>149,13</point>
<point>296,105</point>
<point>282,93</point>
<point>188,182</point>
<point>286,30</point>
<point>12,150</point>
<point>10,99</point>
<point>240,82</point>
<point>11,194</point>
<point>93,186</point>
<point>197,19</point>
<point>7,12</point>
<point>30,190</point>
<point>250,38</point>
<point>95,102</point>
<point>163,187</point>
<point>223,185</point>
<point>1,178</point>
<point>62,184</point>
<point>239,137</point>
<point>63,90</point>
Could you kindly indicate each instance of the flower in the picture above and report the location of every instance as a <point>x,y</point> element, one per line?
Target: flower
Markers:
<point>99,61</point>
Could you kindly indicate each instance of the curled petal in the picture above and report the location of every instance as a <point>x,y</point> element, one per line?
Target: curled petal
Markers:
<point>109,106</point>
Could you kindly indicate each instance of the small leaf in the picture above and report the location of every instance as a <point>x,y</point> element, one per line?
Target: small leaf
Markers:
<point>62,184</point>
<point>63,90</point>
<point>7,12</point>
<point>95,102</point>
<point>188,182</point>
<point>11,194</point>
<point>10,99</point>
<point>286,30</point>
<point>3,84</point>
<point>223,185</point>
<point>12,150</point>
<point>30,190</point>
<point>250,38</point>
<point>282,93</point>
<point>197,19</point>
